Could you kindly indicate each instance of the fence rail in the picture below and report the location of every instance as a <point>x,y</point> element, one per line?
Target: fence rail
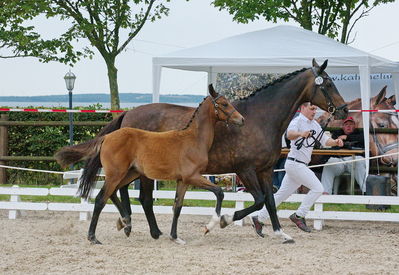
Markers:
<point>84,207</point>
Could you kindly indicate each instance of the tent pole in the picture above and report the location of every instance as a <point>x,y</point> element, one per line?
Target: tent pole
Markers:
<point>395,78</point>
<point>364,72</point>
<point>156,82</point>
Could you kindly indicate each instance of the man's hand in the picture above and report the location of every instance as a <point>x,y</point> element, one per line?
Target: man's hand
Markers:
<point>305,134</point>
<point>339,142</point>
<point>343,137</point>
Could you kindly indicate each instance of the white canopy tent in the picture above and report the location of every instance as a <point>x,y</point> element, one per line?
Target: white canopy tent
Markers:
<point>280,49</point>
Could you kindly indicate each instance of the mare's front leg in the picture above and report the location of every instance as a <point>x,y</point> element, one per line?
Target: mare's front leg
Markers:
<point>146,200</point>
<point>201,182</point>
<point>265,180</point>
<point>250,181</point>
<point>178,204</point>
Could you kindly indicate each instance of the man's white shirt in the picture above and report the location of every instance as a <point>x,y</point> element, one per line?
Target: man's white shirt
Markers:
<point>301,124</point>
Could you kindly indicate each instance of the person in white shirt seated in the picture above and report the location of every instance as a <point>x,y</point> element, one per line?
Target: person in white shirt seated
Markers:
<point>303,131</point>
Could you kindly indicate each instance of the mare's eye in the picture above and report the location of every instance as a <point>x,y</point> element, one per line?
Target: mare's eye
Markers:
<point>381,125</point>
<point>225,104</point>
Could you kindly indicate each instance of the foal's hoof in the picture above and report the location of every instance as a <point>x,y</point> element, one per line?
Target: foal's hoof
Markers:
<point>120,224</point>
<point>93,240</point>
<point>178,241</point>
<point>206,230</point>
<point>127,230</point>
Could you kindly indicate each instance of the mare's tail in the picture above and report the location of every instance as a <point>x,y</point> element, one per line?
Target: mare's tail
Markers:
<point>88,150</point>
<point>112,126</point>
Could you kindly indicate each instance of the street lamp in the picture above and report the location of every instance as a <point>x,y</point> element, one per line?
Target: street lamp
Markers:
<point>70,82</point>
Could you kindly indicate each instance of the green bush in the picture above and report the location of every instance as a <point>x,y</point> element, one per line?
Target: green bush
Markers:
<point>45,141</point>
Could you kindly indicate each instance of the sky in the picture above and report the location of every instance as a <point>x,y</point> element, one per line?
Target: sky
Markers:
<point>189,24</point>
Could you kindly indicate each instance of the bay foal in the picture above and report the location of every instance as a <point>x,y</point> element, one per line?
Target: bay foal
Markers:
<point>128,153</point>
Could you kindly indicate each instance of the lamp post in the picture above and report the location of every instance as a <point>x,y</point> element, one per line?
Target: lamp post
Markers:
<point>70,82</point>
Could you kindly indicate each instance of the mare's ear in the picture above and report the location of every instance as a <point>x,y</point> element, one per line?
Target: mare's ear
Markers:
<point>381,95</point>
<point>212,91</point>
<point>314,63</point>
<point>323,66</point>
<point>319,69</point>
<point>391,100</point>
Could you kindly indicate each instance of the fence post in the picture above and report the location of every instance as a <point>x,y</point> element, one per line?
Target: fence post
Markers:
<point>84,216</point>
<point>239,206</point>
<point>13,214</point>
<point>318,224</point>
<point>3,148</point>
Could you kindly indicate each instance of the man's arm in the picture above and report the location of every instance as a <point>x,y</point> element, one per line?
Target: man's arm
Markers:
<point>335,142</point>
<point>292,135</point>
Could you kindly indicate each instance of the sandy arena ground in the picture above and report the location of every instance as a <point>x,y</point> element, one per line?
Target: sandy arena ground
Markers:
<point>55,243</point>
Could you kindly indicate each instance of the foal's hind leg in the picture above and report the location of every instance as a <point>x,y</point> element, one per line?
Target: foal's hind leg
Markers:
<point>125,222</point>
<point>98,207</point>
<point>180,192</point>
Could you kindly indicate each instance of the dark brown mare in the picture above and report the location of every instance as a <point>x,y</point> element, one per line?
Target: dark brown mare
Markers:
<point>128,153</point>
<point>250,151</point>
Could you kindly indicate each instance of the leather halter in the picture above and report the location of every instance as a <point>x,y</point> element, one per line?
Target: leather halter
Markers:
<point>319,81</point>
<point>216,105</point>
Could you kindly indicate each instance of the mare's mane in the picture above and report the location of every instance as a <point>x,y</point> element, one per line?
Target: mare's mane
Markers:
<point>278,80</point>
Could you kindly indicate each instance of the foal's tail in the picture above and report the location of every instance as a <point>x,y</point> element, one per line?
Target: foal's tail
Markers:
<point>88,150</point>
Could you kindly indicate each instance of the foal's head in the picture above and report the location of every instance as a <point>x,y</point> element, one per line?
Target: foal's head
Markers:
<point>223,109</point>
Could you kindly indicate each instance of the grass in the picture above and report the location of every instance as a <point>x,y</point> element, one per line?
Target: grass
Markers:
<point>196,203</point>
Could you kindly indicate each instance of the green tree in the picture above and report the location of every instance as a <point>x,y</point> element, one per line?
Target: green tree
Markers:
<point>334,18</point>
<point>108,25</point>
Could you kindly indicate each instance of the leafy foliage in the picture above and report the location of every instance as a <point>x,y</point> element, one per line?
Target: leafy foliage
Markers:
<point>335,19</point>
<point>109,26</point>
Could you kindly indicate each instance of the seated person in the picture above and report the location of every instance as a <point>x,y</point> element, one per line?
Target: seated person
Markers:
<point>352,138</point>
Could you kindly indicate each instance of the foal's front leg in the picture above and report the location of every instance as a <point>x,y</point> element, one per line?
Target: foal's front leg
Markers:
<point>178,204</point>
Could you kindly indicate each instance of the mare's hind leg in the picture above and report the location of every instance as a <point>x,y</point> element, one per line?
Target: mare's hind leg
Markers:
<point>125,221</point>
<point>265,180</point>
<point>98,207</point>
<point>201,182</point>
<point>146,200</point>
<point>180,192</point>
<point>251,183</point>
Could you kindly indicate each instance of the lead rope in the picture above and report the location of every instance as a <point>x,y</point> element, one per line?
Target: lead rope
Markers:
<point>299,142</point>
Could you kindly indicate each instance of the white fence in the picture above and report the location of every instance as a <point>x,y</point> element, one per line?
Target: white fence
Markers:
<point>84,207</point>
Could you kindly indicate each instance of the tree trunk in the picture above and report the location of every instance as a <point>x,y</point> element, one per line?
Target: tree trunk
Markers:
<point>345,25</point>
<point>113,84</point>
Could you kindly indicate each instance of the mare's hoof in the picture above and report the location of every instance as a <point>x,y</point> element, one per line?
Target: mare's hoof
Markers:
<point>289,241</point>
<point>156,235</point>
<point>206,230</point>
<point>178,241</point>
<point>127,230</point>
<point>93,240</point>
<point>120,224</point>
<point>223,222</point>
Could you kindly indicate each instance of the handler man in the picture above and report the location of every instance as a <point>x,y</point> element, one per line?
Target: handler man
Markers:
<point>303,131</point>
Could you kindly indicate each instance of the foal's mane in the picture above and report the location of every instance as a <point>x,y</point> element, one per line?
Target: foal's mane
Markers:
<point>278,80</point>
<point>193,116</point>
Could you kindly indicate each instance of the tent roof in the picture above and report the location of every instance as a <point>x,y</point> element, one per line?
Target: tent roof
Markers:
<point>278,49</point>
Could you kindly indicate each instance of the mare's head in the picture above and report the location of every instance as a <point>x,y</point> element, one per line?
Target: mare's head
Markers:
<point>224,111</point>
<point>384,143</point>
<point>323,92</point>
